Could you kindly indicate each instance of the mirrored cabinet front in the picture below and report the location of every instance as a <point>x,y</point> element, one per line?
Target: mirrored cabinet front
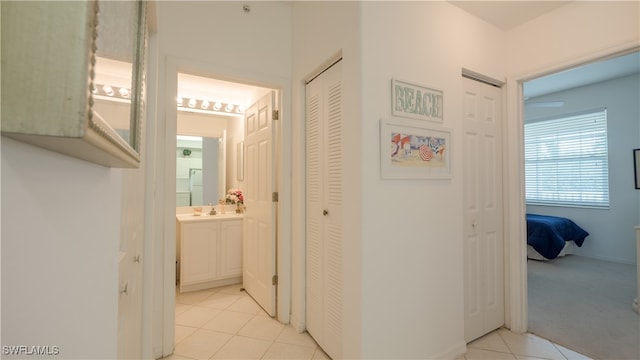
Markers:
<point>73,77</point>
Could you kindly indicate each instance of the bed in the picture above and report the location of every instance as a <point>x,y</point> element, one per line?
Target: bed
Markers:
<point>551,236</point>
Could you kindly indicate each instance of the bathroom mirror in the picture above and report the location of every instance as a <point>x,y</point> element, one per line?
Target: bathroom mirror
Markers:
<point>200,170</point>
<point>117,83</point>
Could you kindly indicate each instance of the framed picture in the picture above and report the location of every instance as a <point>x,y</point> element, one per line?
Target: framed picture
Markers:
<point>415,101</point>
<point>636,166</point>
<point>411,150</point>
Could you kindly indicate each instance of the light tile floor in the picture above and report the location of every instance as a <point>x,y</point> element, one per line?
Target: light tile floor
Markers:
<point>226,323</point>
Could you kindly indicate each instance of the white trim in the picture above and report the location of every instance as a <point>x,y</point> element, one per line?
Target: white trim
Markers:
<point>517,319</point>
<point>470,74</point>
<point>150,348</point>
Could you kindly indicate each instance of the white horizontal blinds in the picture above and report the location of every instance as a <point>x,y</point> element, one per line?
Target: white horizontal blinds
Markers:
<point>566,160</point>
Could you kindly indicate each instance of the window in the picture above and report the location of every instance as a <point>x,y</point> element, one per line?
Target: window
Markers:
<point>566,160</point>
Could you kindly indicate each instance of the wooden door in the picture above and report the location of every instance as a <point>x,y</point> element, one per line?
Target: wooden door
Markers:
<point>483,226</point>
<point>324,171</point>
<point>259,238</point>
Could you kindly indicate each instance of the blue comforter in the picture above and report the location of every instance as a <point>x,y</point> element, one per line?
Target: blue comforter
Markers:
<point>547,234</point>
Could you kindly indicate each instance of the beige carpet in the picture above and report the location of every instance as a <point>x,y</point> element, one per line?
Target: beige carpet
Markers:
<point>585,305</point>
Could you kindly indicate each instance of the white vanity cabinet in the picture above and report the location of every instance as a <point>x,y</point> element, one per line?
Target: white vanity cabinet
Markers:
<point>209,251</point>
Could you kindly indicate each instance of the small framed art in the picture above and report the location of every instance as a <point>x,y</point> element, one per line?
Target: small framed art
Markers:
<point>409,149</point>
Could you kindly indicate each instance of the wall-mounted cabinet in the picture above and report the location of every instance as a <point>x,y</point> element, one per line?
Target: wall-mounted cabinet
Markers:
<point>73,77</point>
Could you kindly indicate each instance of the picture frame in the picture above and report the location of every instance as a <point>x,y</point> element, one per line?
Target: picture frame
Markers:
<point>409,149</point>
<point>636,167</point>
<point>416,101</point>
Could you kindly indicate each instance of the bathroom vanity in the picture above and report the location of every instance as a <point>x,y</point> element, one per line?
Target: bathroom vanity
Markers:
<point>209,250</point>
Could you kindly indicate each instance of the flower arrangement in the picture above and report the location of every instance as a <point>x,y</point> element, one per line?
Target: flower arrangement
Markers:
<point>234,196</point>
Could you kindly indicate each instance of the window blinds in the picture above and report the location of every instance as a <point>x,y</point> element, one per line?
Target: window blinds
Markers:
<point>566,160</point>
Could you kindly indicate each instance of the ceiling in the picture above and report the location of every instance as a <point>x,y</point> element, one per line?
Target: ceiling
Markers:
<point>508,14</point>
<point>613,68</point>
<point>503,14</point>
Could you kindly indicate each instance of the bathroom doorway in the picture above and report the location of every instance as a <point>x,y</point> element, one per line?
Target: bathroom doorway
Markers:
<point>214,108</point>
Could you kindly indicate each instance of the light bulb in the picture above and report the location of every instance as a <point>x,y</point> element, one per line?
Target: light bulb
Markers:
<point>205,104</point>
<point>108,90</point>
<point>217,106</point>
<point>180,100</point>
<point>192,103</point>
<point>228,108</point>
<point>124,92</point>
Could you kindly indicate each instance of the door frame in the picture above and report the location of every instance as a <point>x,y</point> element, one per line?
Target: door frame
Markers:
<point>164,221</point>
<point>516,288</point>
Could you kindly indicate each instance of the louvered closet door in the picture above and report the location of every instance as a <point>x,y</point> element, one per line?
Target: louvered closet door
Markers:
<point>324,210</point>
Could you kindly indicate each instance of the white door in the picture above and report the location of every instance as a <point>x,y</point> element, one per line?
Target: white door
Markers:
<point>259,238</point>
<point>130,265</point>
<point>324,218</point>
<point>483,243</point>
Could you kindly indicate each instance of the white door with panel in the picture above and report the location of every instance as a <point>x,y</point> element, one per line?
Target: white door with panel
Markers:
<point>483,214</point>
<point>259,241</point>
<point>324,171</point>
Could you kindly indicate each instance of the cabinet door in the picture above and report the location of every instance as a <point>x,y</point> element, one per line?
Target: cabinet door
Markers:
<point>231,248</point>
<point>198,256</point>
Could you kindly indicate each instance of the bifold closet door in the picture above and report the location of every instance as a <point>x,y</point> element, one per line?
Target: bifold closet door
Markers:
<point>324,193</point>
<point>483,240</point>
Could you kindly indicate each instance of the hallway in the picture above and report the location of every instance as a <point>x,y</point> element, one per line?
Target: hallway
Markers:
<point>226,323</point>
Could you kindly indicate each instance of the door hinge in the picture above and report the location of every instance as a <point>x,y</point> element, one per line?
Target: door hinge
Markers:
<point>274,196</point>
<point>274,280</point>
<point>275,115</point>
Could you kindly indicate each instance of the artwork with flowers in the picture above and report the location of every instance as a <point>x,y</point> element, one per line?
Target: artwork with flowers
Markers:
<point>411,150</point>
<point>234,196</point>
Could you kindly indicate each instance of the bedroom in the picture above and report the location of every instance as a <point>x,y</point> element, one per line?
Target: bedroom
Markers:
<point>609,249</point>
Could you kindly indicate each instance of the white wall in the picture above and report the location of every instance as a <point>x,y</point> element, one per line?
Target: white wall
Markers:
<point>60,241</point>
<point>573,33</point>
<point>413,296</point>
<point>612,234</point>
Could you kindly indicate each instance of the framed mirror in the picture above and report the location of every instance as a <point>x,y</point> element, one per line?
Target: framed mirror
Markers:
<point>78,90</point>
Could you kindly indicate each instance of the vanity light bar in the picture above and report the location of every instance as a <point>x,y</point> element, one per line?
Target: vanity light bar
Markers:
<point>123,94</point>
<point>207,105</point>
<point>111,93</point>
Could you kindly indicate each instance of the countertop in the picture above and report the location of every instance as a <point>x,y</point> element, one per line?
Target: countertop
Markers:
<point>207,217</point>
